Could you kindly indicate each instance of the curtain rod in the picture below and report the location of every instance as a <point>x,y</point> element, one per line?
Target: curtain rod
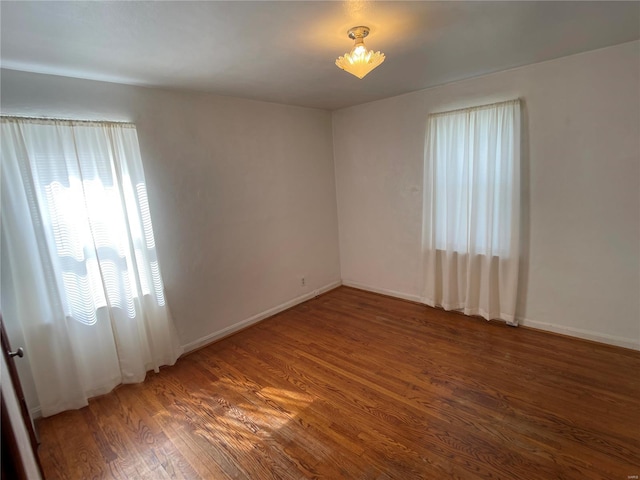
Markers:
<point>479,107</point>
<point>63,120</point>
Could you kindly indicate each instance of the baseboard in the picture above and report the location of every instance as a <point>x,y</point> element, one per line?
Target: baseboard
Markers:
<point>581,333</point>
<point>383,291</point>
<point>547,327</point>
<point>35,412</point>
<point>225,332</point>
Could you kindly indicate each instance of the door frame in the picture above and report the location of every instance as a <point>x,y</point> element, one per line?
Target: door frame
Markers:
<point>9,426</point>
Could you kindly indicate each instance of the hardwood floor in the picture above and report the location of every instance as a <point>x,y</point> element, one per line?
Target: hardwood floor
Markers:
<point>361,386</point>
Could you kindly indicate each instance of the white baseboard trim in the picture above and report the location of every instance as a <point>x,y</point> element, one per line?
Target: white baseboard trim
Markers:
<point>383,291</point>
<point>189,347</point>
<point>525,322</point>
<point>581,333</point>
<point>35,412</point>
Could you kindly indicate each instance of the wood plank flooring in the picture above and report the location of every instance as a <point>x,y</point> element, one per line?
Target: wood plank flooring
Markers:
<point>356,385</point>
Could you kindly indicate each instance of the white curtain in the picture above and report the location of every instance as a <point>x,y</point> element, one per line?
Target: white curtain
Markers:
<point>471,210</point>
<point>83,277</point>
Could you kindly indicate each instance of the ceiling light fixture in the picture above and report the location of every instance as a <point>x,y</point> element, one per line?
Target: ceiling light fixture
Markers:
<point>359,61</point>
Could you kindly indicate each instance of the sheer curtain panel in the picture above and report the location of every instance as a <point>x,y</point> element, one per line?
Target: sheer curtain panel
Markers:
<point>83,278</point>
<point>471,220</point>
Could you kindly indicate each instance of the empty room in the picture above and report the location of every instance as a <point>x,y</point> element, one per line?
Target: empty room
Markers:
<point>320,240</point>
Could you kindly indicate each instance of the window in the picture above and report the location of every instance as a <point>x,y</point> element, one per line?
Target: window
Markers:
<point>84,279</point>
<point>472,178</point>
<point>472,209</point>
<point>95,218</point>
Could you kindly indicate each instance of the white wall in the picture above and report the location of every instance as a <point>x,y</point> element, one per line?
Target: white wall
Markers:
<point>242,193</point>
<point>581,183</point>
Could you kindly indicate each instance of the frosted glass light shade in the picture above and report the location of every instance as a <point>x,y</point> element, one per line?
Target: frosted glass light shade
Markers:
<point>360,60</point>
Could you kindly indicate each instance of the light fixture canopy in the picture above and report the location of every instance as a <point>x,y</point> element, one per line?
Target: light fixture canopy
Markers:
<point>359,61</point>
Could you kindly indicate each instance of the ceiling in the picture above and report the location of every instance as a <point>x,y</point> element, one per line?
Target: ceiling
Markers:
<point>285,51</point>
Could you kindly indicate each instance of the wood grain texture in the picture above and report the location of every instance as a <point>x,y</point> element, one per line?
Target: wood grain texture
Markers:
<point>357,385</point>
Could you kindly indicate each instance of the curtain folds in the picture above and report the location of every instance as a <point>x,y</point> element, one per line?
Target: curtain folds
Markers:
<point>83,277</point>
<point>471,210</point>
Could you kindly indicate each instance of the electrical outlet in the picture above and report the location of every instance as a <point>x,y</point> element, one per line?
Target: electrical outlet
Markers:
<point>303,282</point>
